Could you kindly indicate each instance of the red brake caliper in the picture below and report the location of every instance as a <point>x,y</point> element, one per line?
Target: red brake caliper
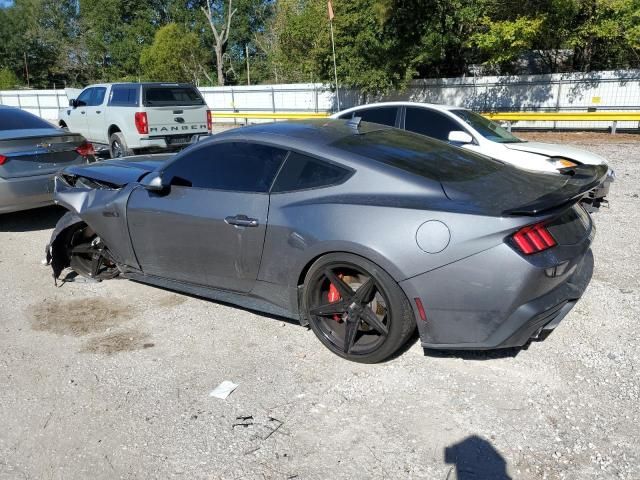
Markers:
<point>334,296</point>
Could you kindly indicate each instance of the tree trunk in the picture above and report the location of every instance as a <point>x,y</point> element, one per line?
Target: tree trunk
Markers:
<point>219,64</point>
<point>220,36</point>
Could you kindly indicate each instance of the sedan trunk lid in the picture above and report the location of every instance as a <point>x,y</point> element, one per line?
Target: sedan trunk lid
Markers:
<point>37,151</point>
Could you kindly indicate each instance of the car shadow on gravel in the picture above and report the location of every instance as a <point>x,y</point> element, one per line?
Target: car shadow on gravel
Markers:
<point>474,354</point>
<point>31,220</point>
<point>487,354</point>
<point>474,458</point>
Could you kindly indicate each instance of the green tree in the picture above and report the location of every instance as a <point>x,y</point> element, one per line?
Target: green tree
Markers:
<point>8,79</point>
<point>115,32</point>
<point>172,57</point>
<point>34,33</point>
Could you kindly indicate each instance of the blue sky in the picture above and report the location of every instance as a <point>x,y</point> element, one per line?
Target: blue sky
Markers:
<point>5,3</point>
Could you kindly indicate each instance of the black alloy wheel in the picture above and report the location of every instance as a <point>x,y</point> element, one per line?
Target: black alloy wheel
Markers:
<point>356,309</point>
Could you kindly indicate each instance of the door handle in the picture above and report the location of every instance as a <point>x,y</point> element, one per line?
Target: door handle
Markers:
<point>242,221</point>
<point>98,111</point>
<point>83,112</point>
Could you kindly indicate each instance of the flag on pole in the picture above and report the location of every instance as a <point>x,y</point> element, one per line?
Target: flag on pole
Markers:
<point>330,7</point>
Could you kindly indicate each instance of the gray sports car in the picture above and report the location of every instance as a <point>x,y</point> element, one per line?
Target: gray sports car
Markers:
<point>31,152</point>
<point>360,231</point>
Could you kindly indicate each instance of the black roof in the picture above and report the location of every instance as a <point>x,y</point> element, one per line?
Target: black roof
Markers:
<point>155,84</point>
<point>314,132</point>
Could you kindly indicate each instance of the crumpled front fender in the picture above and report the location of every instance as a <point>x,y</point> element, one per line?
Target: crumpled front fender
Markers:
<point>102,209</point>
<point>56,252</point>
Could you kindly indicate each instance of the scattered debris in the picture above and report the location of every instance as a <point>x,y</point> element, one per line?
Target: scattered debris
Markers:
<point>273,430</point>
<point>245,421</point>
<point>223,390</point>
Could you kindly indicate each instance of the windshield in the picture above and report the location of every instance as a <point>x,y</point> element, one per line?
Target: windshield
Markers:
<point>488,129</point>
<point>171,95</point>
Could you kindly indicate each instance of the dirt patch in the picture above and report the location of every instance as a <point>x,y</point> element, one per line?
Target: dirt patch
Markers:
<point>170,301</point>
<point>79,317</point>
<point>112,343</point>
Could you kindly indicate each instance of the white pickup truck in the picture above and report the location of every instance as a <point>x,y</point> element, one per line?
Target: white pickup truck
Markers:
<point>128,118</point>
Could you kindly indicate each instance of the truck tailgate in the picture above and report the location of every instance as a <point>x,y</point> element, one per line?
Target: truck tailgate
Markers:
<point>172,120</point>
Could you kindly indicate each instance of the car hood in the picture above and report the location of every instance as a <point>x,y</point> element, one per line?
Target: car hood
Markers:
<point>121,171</point>
<point>552,150</point>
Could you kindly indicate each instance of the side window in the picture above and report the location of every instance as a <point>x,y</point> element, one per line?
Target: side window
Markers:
<point>430,123</point>
<point>84,98</point>
<point>98,96</point>
<point>237,166</point>
<point>381,115</point>
<point>301,172</point>
<point>124,96</point>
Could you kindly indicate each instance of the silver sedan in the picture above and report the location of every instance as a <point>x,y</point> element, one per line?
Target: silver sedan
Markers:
<point>31,152</point>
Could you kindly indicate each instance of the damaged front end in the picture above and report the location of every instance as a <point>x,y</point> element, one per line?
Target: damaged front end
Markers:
<point>74,244</point>
<point>92,237</point>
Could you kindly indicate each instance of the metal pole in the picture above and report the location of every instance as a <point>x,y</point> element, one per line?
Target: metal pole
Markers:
<point>335,68</point>
<point>248,72</point>
<point>315,98</point>
<point>26,68</point>
<point>273,100</point>
<point>559,92</point>
<point>233,104</point>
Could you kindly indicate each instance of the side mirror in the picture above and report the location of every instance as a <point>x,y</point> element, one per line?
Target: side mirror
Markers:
<point>73,103</point>
<point>458,136</point>
<point>153,182</point>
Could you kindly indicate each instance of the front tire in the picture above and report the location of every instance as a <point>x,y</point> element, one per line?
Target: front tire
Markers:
<point>89,256</point>
<point>356,309</point>
<point>118,146</point>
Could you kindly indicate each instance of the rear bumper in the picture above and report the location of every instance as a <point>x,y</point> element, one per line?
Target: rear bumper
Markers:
<point>497,299</point>
<point>597,196</point>
<point>24,193</point>
<point>168,142</point>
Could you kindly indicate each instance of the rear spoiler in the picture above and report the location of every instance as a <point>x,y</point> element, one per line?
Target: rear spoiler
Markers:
<point>582,179</point>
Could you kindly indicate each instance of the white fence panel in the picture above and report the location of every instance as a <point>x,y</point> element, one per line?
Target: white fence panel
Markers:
<point>613,90</point>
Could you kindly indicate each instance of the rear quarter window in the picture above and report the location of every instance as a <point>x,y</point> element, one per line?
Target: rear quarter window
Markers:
<point>379,115</point>
<point>301,172</point>
<point>124,96</point>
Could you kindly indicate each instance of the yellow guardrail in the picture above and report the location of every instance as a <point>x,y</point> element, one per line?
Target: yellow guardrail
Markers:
<point>564,116</point>
<point>510,117</point>
<point>502,116</point>
<point>270,116</point>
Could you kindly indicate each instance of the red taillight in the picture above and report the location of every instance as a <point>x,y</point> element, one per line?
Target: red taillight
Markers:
<point>420,307</point>
<point>533,239</point>
<point>209,120</point>
<point>2,159</point>
<point>86,149</point>
<point>142,125</point>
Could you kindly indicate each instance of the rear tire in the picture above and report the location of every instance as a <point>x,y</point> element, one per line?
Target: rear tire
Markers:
<point>118,146</point>
<point>356,309</point>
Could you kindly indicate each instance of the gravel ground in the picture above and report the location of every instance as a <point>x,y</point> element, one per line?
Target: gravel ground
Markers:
<point>112,380</point>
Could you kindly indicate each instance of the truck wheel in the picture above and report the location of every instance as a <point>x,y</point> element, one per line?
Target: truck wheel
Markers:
<point>118,147</point>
